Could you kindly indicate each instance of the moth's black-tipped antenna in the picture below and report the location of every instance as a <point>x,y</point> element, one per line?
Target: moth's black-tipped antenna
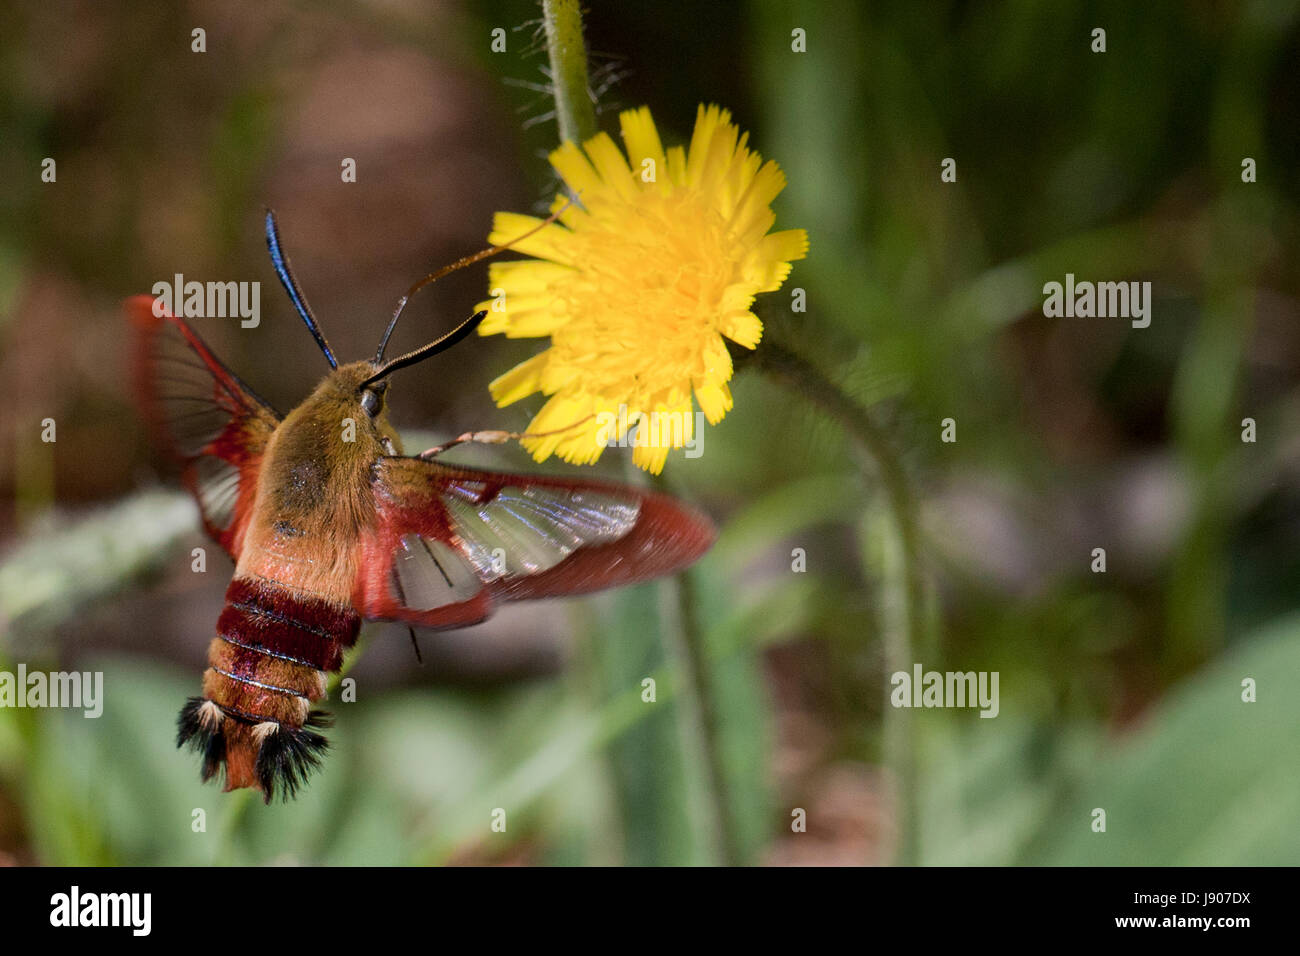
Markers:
<point>433,277</point>
<point>433,348</point>
<point>428,280</point>
<point>283,270</point>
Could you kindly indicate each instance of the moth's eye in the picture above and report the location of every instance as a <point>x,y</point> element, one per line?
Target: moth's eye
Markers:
<point>371,402</point>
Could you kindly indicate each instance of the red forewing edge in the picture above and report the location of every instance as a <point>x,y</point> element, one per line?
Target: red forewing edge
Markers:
<point>219,469</point>
<point>411,494</point>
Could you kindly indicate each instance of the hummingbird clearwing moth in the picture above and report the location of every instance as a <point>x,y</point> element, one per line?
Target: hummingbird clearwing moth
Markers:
<point>327,532</point>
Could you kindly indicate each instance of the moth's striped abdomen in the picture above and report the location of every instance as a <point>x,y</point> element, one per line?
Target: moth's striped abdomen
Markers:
<point>267,666</point>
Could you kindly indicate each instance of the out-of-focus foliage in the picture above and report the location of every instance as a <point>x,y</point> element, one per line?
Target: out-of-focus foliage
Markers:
<point>1119,690</point>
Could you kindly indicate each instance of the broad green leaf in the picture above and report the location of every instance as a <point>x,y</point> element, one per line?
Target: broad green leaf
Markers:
<point>1208,779</point>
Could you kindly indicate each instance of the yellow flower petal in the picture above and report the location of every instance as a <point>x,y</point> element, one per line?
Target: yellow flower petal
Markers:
<point>650,459</point>
<point>753,215</point>
<point>788,245</point>
<point>555,426</point>
<point>743,328</point>
<point>642,142</point>
<point>496,322</point>
<point>520,382</point>
<point>677,165</point>
<point>613,168</point>
<point>528,317</point>
<point>572,165</point>
<point>716,161</point>
<point>550,242</point>
<point>526,275</point>
<point>715,401</point>
<point>708,119</point>
<point>736,298</point>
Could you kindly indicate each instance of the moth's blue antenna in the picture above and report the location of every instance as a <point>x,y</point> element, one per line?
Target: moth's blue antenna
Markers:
<point>290,284</point>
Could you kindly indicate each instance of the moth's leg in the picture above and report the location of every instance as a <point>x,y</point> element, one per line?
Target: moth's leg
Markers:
<point>493,437</point>
<point>481,438</point>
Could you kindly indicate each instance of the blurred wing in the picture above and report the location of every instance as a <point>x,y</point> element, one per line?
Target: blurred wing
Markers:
<point>450,541</point>
<point>204,416</point>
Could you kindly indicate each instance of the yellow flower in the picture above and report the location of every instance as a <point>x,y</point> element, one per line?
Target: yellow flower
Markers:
<point>637,284</point>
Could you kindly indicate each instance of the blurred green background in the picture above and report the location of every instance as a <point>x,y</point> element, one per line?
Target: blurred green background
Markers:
<point>1119,690</point>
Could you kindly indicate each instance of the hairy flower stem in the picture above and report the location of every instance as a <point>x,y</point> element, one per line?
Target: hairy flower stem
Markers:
<point>904,612</point>
<point>574,113</point>
<point>576,117</point>
<point>701,704</point>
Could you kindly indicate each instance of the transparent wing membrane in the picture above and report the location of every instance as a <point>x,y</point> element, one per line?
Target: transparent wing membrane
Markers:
<point>526,530</point>
<point>519,531</point>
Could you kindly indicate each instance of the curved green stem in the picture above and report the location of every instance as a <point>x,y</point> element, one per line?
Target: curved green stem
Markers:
<point>700,701</point>
<point>905,613</point>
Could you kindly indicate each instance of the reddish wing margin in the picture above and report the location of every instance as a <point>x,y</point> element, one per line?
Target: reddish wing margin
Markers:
<point>451,541</point>
<point>204,416</point>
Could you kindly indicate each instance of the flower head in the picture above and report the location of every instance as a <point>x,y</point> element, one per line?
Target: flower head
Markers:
<point>637,284</point>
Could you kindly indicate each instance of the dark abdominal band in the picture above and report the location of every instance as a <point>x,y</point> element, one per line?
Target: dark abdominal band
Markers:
<point>267,667</point>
